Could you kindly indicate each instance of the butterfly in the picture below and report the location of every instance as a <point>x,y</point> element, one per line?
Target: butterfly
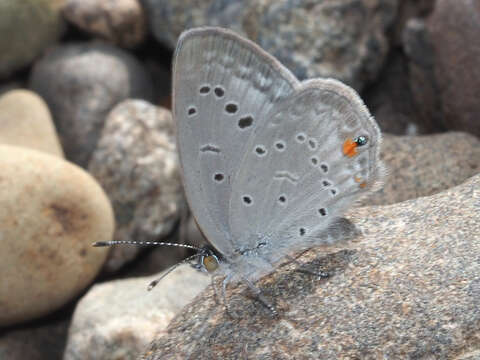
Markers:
<point>269,163</point>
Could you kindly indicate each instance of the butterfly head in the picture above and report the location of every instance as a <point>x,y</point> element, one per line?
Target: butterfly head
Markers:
<point>209,261</point>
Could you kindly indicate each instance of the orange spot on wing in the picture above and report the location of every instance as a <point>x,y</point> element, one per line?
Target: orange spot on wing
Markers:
<point>350,148</point>
<point>357,179</point>
<point>363,184</point>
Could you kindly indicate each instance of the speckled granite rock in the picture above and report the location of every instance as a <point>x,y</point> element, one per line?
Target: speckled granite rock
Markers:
<point>121,22</point>
<point>27,27</point>
<point>118,319</point>
<point>26,121</point>
<point>51,212</point>
<point>407,288</point>
<point>425,165</point>
<point>444,52</point>
<point>81,83</point>
<point>341,39</point>
<point>42,341</point>
<point>136,162</point>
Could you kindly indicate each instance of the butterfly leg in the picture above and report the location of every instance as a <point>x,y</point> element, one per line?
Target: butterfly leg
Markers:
<point>224,296</point>
<point>212,277</point>
<point>320,274</point>
<point>258,293</point>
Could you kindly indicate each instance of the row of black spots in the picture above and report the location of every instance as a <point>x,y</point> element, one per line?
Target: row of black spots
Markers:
<point>261,150</point>
<point>328,184</point>
<point>218,90</point>
<point>321,212</point>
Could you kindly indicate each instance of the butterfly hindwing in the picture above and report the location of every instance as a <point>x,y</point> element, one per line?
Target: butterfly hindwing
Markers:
<point>302,169</point>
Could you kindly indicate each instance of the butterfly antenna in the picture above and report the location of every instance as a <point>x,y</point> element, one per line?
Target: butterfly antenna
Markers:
<point>128,242</point>
<point>156,281</point>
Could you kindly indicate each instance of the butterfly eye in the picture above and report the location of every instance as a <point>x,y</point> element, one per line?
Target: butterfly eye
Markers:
<point>361,140</point>
<point>210,263</point>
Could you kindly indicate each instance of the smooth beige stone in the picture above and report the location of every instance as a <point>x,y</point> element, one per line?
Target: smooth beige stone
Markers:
<point>51,211</point>
<point>26,121</point>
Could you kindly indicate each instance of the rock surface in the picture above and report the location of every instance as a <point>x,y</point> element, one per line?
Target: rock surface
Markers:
<point>27,28</point>
<point>121,22</point>
<point>407,288</point>
<point>444,52</point>
<point>51,213</point>
<point>81,83</point>
<point>118,319</point>
<point>341,39</point>
<point>26,121</point>
<point>136,162</point>
<point>425,165</point>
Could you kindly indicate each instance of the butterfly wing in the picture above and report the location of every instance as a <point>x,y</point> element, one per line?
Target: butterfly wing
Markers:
<point>223,89</point>
<point>303,168</point>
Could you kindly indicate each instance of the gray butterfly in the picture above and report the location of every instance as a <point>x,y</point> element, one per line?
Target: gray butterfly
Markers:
<point>269,163</point>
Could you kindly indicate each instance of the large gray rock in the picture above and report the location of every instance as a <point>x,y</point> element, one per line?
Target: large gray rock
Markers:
<point>136,162</point>
<point>407,288</point>
<point>444,53</point>
<point>425,165</point>
<point>81,83</point>
<point>27,27</point>
<point>118,319</point>
<point>341,39</point>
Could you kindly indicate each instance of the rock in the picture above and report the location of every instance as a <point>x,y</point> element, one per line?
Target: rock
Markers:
<point>121,22</point>
<point>444,53</point>
<point>118,319</point>
<point>51,213</point>
<point>344,40</point>
<point>9,86</point>
<point>26,121</point>
<point>407,288</point>
<point>42,341</point>
<point>136,162</point>
<point>81,83</point>
<point>390,99</point>
<point>425,165</point>
<point>408,9</point>
<point>27,28</point>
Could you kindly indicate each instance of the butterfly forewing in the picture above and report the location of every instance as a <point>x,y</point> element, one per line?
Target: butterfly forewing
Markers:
<point>223,89</point>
